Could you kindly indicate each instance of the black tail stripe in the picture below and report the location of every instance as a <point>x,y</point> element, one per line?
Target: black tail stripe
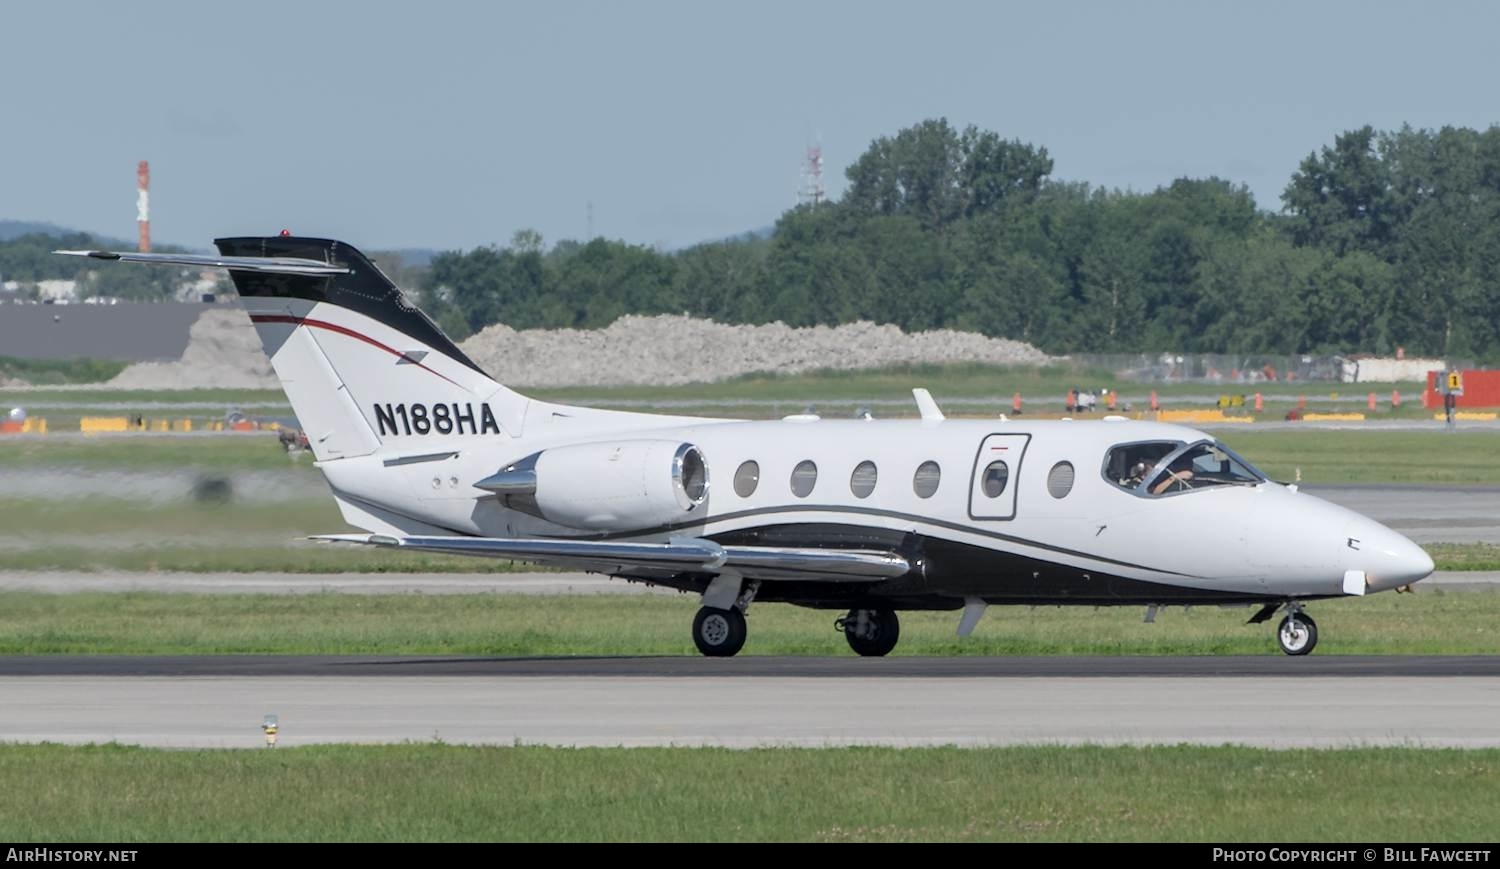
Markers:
<point>334,327</point>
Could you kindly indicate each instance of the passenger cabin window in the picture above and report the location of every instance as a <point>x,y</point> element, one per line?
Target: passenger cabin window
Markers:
<point>1060,480</point>
<point>1166,468</point>
<point>925,481</point>
<point>862,481</point>
<point>996,475</point>
<point>746,479</point>
<point>804,477</point>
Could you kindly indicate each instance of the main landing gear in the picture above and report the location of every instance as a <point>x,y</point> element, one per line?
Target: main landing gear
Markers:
<point>871,633</point>
<point>719,633</point>
<point>1297,634</point>
<point>719,628</point>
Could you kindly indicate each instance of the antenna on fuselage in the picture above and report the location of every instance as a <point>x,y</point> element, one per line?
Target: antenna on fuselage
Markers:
<point>926,406</point>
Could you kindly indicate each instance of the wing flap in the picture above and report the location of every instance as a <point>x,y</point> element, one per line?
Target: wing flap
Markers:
<point>680,555</point>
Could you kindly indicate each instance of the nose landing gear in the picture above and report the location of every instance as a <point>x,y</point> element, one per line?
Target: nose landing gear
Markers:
<point>871,633</point>
<point>1298,633</point>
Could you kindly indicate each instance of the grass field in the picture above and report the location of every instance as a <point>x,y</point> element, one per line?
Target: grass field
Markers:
<point>1323,455</point>
<point>57,371</point>
<point>1345,456</point>
<point>218,451</point>
<point>1430,622</point>
<point>453,793</point>
<point>1044,385</point>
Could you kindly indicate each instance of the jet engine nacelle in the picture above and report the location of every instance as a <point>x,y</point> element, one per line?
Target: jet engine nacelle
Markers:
<point>610,486</point>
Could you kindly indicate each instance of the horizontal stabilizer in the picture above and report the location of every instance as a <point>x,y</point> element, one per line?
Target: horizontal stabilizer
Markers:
<point>681,555</point>
<point>275,265</point>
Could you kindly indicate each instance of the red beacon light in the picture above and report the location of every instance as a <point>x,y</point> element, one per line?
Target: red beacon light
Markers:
<point>286,233</point>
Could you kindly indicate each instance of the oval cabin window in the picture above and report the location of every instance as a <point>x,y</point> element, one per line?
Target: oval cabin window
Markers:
<point>994,479</point>
<point>925,481</point>
<point>804,477</point>
<point>1060,480</point>
<point>862,481</point>
<point>746,479</point>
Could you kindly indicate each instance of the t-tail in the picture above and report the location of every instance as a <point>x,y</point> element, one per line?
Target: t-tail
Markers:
<point>360,364</point>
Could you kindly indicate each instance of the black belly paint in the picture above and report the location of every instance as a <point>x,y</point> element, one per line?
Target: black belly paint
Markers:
<point>945,572</point>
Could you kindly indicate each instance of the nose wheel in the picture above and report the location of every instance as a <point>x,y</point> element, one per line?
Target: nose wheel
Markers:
<point>871,633</point>
<point>1298,633</point>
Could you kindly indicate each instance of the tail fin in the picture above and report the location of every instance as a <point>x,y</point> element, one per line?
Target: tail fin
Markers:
<point>361,365</point>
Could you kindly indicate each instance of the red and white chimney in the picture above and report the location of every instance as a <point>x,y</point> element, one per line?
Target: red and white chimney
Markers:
<point>143,204</point>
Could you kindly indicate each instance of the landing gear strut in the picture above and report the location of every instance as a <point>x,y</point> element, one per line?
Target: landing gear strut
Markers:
<point>1298,633</point>
<point>871,633</point>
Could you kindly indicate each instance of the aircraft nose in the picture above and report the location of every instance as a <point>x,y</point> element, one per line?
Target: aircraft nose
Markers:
<point>1388,559</point>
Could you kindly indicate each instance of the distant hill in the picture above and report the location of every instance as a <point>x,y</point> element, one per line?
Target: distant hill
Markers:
<point>11,230</point>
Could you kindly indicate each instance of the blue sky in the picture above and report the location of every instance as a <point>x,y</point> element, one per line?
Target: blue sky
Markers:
<point>451,124</point>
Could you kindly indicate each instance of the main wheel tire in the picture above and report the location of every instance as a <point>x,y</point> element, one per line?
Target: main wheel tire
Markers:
<point>719,633</point>
<point>883,630</point>
<point>1297,634</point>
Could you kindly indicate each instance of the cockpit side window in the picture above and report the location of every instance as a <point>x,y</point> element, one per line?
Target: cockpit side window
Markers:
<point>1127,465</point>
<point>1168,467</point>
<point>1202,465</point>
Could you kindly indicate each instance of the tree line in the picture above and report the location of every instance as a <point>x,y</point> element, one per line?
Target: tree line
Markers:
<point>1383,240</point>
<point>29,258</point>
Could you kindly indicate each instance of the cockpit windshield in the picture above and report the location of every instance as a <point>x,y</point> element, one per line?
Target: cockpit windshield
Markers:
<point>1167,467</point>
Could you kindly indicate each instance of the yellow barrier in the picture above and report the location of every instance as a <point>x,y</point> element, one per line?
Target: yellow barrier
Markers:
<point>1469,415</point>
<point>1199,416</point>
<point>1333,417</point>
<point>93,424</point>
<point>35,425</point>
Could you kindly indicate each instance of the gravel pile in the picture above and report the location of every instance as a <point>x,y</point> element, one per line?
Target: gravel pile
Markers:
<point>670,349</point>
<point>223,351</point>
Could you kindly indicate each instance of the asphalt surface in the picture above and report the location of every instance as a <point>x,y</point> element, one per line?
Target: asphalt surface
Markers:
<point>1320,711</point>
<point>1426,514</point>
<point>755,666</point>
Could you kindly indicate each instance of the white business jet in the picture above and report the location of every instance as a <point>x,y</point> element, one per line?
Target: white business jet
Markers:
<point>424,451</point>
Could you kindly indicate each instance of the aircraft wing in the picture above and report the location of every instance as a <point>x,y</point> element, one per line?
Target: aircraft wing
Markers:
<point>680,555</point>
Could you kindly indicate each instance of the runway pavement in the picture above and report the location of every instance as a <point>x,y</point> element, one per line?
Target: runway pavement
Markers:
<point>756,666</point>
<point>1426,514</point>
<point>1319,711</point>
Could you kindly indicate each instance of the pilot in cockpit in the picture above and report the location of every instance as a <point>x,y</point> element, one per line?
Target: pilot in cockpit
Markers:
<point>1178,474</point>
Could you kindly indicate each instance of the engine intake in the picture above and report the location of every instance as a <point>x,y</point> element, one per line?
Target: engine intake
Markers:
<point>610,486</point>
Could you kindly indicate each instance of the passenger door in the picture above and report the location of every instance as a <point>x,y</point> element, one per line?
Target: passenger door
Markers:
<point>997,468</point>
